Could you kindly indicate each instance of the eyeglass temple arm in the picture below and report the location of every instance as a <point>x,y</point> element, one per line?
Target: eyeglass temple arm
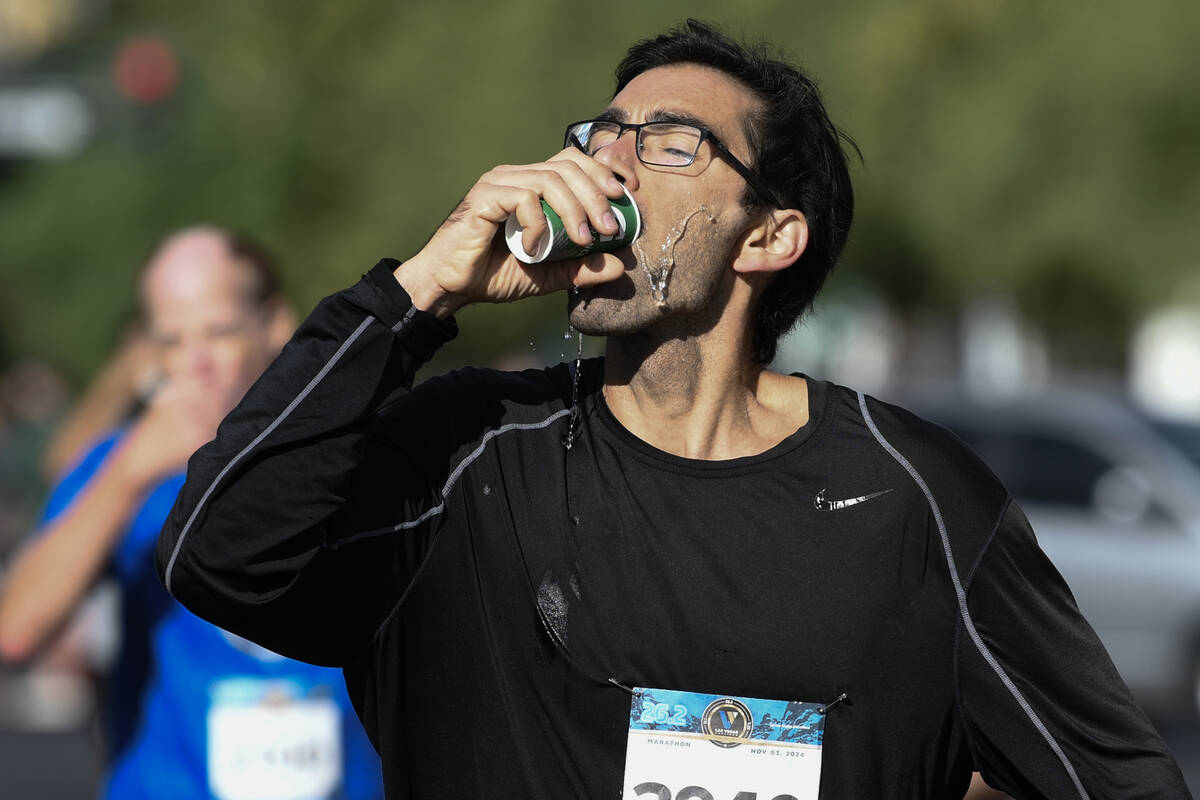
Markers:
<point>756,183</point>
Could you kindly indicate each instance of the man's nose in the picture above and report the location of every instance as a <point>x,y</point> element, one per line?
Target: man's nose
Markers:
<point>198,357</point>
<point>621,157</point>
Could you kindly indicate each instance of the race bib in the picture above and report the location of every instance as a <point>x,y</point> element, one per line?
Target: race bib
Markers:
<point>272,740</point>
<point>687,746</point>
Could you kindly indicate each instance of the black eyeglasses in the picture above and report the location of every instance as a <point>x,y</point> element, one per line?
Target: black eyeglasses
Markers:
<point>661,144</point>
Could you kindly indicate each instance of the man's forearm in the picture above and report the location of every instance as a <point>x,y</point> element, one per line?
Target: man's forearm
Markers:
<point>54,571</point>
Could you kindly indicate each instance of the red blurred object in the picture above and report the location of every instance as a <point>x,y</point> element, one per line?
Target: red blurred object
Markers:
<point>146,70</point>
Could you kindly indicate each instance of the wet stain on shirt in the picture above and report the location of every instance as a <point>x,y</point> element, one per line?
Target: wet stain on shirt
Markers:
<point>553,604</point>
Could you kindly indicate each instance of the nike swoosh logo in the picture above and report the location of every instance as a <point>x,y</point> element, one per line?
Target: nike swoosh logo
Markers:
<point>821,504</point>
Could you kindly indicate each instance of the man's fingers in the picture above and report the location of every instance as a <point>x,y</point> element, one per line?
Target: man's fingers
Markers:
<point>497,202</point>
<point>577,194</point>
<point>528,211</point>
<point>566,202</point>
<point>586,194</point>
<point>594,269</point>
<point>601,175</point>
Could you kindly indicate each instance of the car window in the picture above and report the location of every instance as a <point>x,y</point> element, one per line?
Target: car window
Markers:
<point>1185,437</point>
<point>1041,468</point>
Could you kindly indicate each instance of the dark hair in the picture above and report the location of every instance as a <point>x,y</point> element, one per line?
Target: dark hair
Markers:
<point>260,264</point>
<point>796,150</point>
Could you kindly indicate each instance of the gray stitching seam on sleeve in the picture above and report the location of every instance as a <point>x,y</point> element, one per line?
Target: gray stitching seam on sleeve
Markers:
<point>961,594</point>
<point>453,479</point>
<point>470,458</point>
<point>983,551</point>
<point>958,628</point>
<point>454,476</point>
<point>312,384</point>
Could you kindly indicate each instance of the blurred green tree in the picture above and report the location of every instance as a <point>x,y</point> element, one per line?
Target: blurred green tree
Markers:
<point>993,133</point>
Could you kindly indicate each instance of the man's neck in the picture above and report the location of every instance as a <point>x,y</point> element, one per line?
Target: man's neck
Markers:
<point>702,396</point>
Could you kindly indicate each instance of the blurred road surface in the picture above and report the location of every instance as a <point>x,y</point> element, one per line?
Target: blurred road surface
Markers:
<point>48,766</point>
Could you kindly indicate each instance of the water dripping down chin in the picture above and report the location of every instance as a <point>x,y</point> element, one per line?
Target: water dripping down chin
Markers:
<point>658,272</point>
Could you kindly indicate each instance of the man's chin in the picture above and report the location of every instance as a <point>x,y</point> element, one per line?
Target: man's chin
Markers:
<point>590,328</point>
<point>611,308</point>
<point>609,316</point>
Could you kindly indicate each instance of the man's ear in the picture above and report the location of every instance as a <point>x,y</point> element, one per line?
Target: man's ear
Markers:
<point>281,323</point>
<point>773,244</point>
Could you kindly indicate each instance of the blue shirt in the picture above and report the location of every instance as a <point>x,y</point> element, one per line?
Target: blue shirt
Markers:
<point>196,712</point>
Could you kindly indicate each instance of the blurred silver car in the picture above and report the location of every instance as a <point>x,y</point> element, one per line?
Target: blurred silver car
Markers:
<point>1114,498</point>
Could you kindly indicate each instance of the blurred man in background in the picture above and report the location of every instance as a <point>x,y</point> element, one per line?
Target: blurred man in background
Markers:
<point>193,711</point>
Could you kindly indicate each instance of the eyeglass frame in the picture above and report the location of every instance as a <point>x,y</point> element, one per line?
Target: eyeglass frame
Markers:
<point>756,183</point>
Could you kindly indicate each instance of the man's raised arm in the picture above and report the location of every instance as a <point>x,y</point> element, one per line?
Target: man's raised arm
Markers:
<point>285,530</point>
<point>264,505</point>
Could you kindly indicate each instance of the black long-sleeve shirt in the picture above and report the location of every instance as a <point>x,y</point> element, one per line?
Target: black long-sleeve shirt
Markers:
<point>480,583</point>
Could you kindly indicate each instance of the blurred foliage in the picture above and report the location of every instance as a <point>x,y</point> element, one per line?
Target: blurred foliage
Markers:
<point>1000,140</point>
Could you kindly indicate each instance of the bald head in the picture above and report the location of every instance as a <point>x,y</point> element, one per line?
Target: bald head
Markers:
<point>192,260</point>
<point>210,304</point>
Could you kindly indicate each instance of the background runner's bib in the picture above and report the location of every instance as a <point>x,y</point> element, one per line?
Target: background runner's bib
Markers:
<point>687,746</point>
<point>272,740</point>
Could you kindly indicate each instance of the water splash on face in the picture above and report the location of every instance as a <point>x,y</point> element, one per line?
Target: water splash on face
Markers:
<point>658,272</point>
